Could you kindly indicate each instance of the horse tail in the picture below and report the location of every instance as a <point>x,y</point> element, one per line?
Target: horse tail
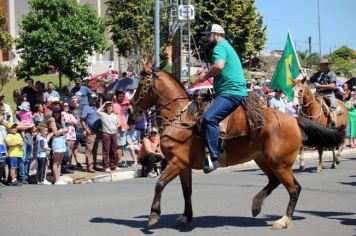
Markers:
<point>316,135</point>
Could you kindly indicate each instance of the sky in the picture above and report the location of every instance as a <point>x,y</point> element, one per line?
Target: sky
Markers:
<point>337,21</point>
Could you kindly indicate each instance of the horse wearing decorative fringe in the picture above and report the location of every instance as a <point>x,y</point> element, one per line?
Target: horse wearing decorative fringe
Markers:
<point>273,147</point>
<point>315,108</point>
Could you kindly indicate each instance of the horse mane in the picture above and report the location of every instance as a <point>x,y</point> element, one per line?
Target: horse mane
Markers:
<point>175,79</point>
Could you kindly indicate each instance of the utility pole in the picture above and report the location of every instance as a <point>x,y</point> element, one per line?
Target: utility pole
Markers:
<point>310,44</point>
<point>319,30</point>
<point>157,36</point>
<point>189,46</point>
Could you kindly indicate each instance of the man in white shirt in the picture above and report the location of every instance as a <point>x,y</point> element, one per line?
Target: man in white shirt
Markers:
<point>277,102</point>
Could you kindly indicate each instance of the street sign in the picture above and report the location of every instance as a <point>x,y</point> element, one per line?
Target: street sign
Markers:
<point>186,12</point>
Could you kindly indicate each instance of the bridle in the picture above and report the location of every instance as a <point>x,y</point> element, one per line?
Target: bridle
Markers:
<point>175,121</point>
<point>301,103</point>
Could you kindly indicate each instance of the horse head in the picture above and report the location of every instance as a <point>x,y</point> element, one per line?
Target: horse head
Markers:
<point>302,93</point>
<point>144,97</point>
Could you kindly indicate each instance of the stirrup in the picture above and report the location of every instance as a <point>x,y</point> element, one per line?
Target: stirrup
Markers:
<point>210,165</point>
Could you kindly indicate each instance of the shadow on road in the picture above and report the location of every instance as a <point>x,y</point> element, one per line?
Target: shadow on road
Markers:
<point>334,215</point>
<point>169,221</point>
<point>348,183</point>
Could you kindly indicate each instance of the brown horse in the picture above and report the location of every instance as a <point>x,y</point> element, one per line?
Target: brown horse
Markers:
<point>274,147</point>
<point>312,108</point>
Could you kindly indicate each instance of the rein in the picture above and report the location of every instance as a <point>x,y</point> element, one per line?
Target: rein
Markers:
<point>177,120</point>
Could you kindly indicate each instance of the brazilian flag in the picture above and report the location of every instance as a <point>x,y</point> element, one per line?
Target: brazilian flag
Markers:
<point>287,70</point>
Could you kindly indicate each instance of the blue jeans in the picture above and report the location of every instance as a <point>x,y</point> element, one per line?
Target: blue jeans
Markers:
<point>223,106</point>
<point>24,164</point>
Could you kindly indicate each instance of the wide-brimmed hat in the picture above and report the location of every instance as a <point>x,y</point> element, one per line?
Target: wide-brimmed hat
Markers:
<point>24,106</point>
<point>54,101</point>
<point>324,61</point>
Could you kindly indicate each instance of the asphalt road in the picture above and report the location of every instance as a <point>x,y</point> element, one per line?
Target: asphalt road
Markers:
<point>221,203</point>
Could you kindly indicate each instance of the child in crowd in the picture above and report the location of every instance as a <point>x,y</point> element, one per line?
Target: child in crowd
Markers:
<point>42,152</point>
<point>14,142</point>
<point>25,114</point>
<point>133,140</point>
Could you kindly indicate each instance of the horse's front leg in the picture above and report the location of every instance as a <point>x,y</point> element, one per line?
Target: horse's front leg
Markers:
<point>186,182</point>
<point>173,169</point>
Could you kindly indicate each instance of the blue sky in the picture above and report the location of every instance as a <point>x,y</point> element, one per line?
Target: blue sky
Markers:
<point>337,17</point>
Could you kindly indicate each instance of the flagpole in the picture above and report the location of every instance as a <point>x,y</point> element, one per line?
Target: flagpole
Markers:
<point>291,39</point>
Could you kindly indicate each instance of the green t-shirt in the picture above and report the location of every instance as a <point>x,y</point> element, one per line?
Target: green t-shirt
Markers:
<point>231,80</point>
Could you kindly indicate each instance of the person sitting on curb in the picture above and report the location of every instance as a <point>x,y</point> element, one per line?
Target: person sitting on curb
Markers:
<point>150,153</point>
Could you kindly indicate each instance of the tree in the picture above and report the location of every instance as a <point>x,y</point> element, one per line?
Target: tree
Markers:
<point>343,61</point>
<point>5,37</point>
<point>310,61</point>
<point>5,75</point>
<point>132,29</point>
<point>242,23</point>
<point>60,33</point>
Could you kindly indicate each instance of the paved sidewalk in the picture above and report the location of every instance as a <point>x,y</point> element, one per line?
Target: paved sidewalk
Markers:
<point>83,177</point>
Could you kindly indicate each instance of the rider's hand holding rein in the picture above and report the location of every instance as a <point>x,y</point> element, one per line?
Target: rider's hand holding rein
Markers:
<point>214,71</point>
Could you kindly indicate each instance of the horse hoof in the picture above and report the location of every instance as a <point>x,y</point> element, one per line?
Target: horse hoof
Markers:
<point>255,212</point>
<point>338,162</point>
<point>153,219</point>
<point>318,169</point>
<point>183,220</point>
<point>283,223</point>
<point>333,166</point>
<point>301,167</point>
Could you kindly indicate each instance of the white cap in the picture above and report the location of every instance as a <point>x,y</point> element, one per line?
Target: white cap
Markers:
<point>214,28</point>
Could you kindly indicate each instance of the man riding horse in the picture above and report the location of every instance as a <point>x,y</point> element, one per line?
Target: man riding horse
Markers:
<point>229,85</point>
<point>325,84</point>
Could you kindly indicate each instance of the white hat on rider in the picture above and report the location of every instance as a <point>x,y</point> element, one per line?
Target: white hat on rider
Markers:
<point>214,28</point>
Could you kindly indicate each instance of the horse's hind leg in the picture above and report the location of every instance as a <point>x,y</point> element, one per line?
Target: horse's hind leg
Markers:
<point>320,164</point>
<point>186,182</point>
<point>333,165</point>
<point>273,182</point>
<point>338,155</point>
<point>172,170</point>
<point>301,159</point>
<point>285,175</point>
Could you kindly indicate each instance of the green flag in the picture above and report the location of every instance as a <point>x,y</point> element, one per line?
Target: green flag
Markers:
<point>287,70</point>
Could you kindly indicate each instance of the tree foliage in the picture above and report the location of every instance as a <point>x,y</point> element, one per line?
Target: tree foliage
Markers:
<point>5,37</point>
<point>343,61</point>
<point>60,33</point>
<point>132,29</point>
<point>309,61</point>
<point>5,75</point>
<point>242,23</point>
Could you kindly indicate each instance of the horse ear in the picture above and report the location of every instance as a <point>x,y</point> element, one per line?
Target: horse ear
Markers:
<point>147,68</point>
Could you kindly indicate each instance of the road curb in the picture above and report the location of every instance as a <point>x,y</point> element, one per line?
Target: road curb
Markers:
<point>130,174</point>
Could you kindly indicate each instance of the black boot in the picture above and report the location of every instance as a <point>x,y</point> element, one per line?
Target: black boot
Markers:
<point>207,169</point>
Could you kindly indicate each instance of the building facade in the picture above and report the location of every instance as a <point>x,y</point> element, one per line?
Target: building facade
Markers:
<point>15,9</point>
